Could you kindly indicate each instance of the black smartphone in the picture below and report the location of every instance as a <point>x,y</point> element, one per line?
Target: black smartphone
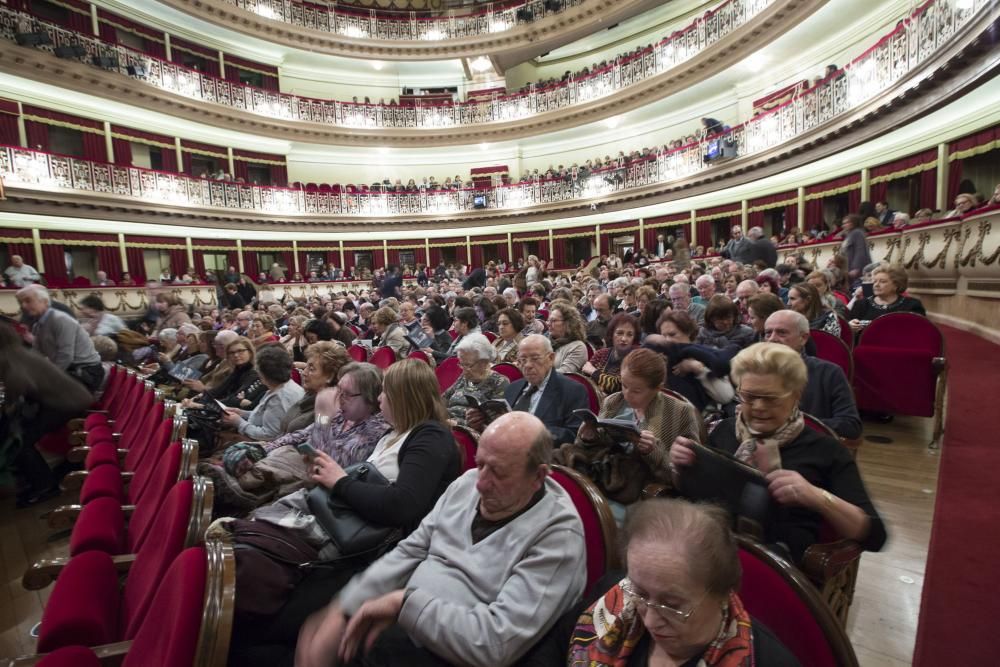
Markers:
<point>307,450</point>
<point>868,289</point>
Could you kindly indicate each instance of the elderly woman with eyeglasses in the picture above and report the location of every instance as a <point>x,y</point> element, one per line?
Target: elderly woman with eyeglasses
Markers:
<point>475,355</point>
<point>810,475</point>
<point>677,603</point>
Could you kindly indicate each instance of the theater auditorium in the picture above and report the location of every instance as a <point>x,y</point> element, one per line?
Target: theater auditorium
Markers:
<point>528,332</point>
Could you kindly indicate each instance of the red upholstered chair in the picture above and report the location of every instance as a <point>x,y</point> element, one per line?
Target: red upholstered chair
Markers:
<point>900,368</point>
<point>832,348</point>
<point>358,353</point>
<point>778,595</point>
<point>118,415</point>
<point>101,523</point>
<point>599,530</point>
<point>468,442</point>
<point>81,281</point>
<point>297,376</point>
<point>846,333</point>
<point>190,623</point>
<point>490,336</point>
<point>453,334</point>
<point>543,314</point>
<point>448,372</point>
<point>55,443</point>
<point>421,355</point>
<point>84,608</point>
<point>509,371</point>
<point>383,357</point>
<point>594,395</point>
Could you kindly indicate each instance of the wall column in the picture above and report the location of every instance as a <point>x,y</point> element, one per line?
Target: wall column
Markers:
<point>801,209</point>
<point>744,215</point>
<point>222,65</point>
<point>693,241</point>
<point>295,256</point>
<point>510,250</point>
<point>190,251</point>
<point>232,164</point>
<point>121,252</point>
<point>597,239</point>
<point>36,240</point>
<point>167,47</point>
<point>95,25</point>
<point>941,194</point>
<point>866,185</point>
<point>22,132</point>
<point>642,233</point>
<point>385,252</point>
<point>342,264</point>
<point>108,146</point>
<point>427,254</point>
<point>180,157</point>
<point>239,256</point>
<point>552,248</point>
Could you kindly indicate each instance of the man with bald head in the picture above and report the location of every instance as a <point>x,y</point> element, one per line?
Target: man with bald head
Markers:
<point>828,395</point>
<point>484,576</point>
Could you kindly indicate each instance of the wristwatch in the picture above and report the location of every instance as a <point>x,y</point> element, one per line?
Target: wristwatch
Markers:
<point>827,496</point>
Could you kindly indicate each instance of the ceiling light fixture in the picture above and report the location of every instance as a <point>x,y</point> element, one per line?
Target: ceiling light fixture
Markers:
<point>481,64</point>
<point>378,65</point>
<point>755,62</point>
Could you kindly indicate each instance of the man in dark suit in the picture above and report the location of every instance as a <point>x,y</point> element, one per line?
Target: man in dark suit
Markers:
<point>543,392</point>
<point>761,248</point>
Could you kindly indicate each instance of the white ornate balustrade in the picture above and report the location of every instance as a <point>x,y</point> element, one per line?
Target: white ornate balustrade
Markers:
<point>621,73</point>
<point>894,56</point>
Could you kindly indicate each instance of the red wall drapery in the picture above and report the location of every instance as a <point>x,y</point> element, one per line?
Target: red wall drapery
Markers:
<point>94,147</point>
<point>8,129</point>
<point>38,135</point>
<point>25,249</point>
<point>55,264</point>
<point>657,225</point>
<point>178,261</point>
<point>122,149</point>
<point>109,260</point>
<point>136,264</point>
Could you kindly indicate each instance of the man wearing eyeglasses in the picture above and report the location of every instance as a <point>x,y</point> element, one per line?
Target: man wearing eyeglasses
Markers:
<point>827,395</point>
<point>545,393</point>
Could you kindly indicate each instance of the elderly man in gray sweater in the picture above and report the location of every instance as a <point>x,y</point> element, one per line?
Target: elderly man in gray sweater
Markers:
<point>484,576</point>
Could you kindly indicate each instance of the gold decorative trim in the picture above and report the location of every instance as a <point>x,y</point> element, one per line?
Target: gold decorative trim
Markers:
<point>59,123</point>
<point>834,191</point>
<point>140,140</point>
<point>927,166</point>
<point>16,239</point>
<point>258,161</point>
<point>975,150</point>
<point>119,26</point>
<point>81,242</point>
<point>175,47</point>
<point>768,207</point>
<point>198,151</point>
<point>717,216</point>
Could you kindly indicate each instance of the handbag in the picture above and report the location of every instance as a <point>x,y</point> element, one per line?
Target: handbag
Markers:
<point>352,534</point>
<point>270,562</point>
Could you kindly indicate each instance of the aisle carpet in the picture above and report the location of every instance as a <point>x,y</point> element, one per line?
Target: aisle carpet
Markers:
<point>961,597</point>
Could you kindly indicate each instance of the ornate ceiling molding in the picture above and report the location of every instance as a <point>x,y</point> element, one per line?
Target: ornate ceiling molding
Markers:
<point>770,24</point>
<point>970,59</point>
<point>532,38</point>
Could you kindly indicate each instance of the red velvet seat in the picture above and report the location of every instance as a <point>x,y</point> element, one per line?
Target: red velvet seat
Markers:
<point>599,528</point>
<point>832,348</point>
<point>468,441</point>
<point>448,372</point>
<point>490,336</point>
<point>421,355</point>
<point>899,368</point>
<point>85,608</point>
<point>357,353</point>
<point>594,395</point>
<point>105,479</point>
<point>101,524</point>
<point>131,422</point>
<point>70,656</point>
<point>134,439</point>
<point>509,371</point>
<point>383,357</point>
<point>846,332</point>
<point>778,595</point>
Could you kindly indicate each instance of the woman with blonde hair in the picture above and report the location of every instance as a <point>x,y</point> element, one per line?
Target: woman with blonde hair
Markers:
<point>888,286</point>
<point>389,332</point>
<point>810,475</point>
<point>568,334</point>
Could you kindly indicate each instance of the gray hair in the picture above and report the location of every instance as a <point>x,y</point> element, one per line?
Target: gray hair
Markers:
<point>755,232</point>
<point>679,288</point>
<point>510,291</point>
<point>367,380</point>
<point>770,273</point>
<point>479,344</point>
<point>704,280</point>
<point>169,334</point>
<point>37,291</point>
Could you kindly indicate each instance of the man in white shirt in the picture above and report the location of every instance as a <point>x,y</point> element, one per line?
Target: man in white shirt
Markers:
<point>20,274</point>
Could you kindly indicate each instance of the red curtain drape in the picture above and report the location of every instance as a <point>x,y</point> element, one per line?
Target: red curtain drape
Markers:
<point>122,149</point>
<point>853,199</point>
<point>107,32</point>
<point>8,129</point>
<point>954,180</point>
<point>242,170</point>
<point>136,264</point>
<point>25,250</point>
<point>477,256</point>
<point>38,135</point>
<point>55,263</point>
<point>178,261</point>
<point>878,191</point>
<point>435,257</point>
<point>558,254</point>
<point>814,214</point>
<point>393,257</point>
<point>250,262</point>
<point>791,216</point>
<point>94,147</point>
<point>704,233</point>
<point>927,189</point>
<point>168,157</point>
<point>109,260</point>
<point>279,175</point>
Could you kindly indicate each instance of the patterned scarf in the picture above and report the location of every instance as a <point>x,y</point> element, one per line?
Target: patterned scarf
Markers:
<point>762,450</point>
<point>608,632</point>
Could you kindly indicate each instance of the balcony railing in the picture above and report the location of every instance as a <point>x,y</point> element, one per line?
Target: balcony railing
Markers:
<point>621,73</point>
<point>357,23</point>
<point>890,59</point>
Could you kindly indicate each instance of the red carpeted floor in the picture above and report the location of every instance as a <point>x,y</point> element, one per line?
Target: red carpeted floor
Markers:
<point>961,596</point>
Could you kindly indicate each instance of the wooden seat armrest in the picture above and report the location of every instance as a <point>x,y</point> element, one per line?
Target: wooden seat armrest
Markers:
<point>78,454</point>
<point>128,510</point>
<point>74,480</point>
<point>939,364</point>
<point>42,573</point>
<point>655,490</point>
<point>123,563</point>
<point>127,477</point>
<point>64,517</point>
<point>823,561</point>
<point>78,437</point>
<point>110,655</point>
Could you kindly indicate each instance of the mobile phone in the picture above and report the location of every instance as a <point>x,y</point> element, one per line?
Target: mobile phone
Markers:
<point>868,290</point>
<point>307,450</point>
<point>222,405</point>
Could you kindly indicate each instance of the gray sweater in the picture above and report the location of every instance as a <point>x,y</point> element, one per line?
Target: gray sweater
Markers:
<point>264,423</point>
<point>481,604</point>
<point>61,339</point>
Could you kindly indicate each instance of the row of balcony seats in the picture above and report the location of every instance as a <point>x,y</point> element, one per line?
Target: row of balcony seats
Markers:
<point>141,514</point>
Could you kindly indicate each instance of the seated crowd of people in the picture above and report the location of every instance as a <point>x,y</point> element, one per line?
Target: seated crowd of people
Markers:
<point>482,561</point>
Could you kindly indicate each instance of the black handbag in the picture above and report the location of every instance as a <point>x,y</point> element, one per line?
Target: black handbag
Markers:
<point>350,532</point>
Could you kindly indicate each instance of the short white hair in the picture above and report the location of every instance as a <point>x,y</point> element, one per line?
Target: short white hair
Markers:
<point>678,288</point>
<point>510,291</point>
<point>479,344</point>
<point>37,291</point>
<point>755,232</point>
<point>799,320</point>
<point>168,334</point>
<point>770,273</point>
<point>704,280</point>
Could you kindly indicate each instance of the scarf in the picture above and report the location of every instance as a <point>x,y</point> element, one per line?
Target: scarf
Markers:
<point>608,632</point>
<point>761,450</point>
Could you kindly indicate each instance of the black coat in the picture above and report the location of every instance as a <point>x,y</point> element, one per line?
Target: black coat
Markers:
<point>555,408</point>
<point>764,250</point>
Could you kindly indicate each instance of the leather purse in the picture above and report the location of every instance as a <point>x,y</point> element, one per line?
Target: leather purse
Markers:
<point>350,532</point>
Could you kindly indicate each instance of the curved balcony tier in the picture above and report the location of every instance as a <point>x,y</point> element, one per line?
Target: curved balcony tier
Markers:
<point>729,33</point>
<point>354,34</point>
<point>941,52</point>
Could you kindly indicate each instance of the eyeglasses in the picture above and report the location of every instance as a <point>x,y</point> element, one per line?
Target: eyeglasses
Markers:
<point>241,350</point>
<point>664,610</point>
<point>347,394</point>
<point>534,359</point>
<point>768,400</point>
<point>467,366</point>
